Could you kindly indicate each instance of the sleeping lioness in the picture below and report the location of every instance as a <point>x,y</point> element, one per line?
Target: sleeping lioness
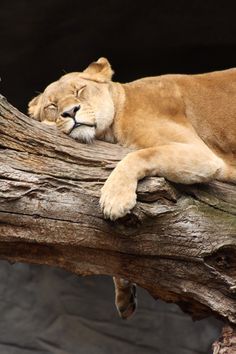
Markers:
<point>182,127</point>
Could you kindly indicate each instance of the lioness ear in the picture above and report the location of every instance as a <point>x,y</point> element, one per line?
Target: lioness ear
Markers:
<point>100,70</point>
<point>34,107</point>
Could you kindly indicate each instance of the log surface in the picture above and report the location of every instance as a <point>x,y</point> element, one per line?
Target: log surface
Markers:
<point>179,242</point>
<point>227,343</point>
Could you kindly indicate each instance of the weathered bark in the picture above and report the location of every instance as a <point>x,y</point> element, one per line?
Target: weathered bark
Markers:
<point>227,343</point>
<point>179,242</point>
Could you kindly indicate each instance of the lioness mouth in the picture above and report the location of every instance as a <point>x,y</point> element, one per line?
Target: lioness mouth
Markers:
<point>76,125</point>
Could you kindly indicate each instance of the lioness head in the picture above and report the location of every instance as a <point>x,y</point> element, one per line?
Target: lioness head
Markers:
<point>80,104</point>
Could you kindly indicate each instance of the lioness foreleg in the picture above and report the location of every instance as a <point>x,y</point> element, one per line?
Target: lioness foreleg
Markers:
<point>178,162</point>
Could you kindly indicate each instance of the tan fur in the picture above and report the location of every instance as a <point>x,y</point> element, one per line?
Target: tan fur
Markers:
<point>183,127</point>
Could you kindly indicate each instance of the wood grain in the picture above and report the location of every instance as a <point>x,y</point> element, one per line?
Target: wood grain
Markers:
<point>179,242</point>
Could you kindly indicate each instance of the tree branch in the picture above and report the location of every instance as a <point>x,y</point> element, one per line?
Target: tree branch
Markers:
<point>227,343</point>
<point>179,242</point>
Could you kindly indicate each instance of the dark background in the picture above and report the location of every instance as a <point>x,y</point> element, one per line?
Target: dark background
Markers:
<point>40,40</point>
<point>46,310</point>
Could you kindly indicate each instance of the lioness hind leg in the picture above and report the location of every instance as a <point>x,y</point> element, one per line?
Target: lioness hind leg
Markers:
<point>125,297</point>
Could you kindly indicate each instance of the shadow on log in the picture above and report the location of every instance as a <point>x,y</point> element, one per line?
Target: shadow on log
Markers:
<point>179,242</point>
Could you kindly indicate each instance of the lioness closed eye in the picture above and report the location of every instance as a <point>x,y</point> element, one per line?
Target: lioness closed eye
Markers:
<point>182,127</point>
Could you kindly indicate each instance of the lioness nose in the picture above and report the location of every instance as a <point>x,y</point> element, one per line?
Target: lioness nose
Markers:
<point>71,112</point>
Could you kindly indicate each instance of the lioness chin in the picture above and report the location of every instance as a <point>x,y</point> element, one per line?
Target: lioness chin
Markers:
<point>182,127</point>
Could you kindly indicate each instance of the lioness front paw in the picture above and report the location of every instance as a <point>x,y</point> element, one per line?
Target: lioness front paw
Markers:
<point>118,197</point>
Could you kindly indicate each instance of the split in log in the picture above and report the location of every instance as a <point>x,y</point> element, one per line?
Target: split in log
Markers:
<point>179,242</point>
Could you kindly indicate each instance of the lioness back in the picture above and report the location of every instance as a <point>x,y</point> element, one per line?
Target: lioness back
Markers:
<point>206,101</point>
<point>210,101</point>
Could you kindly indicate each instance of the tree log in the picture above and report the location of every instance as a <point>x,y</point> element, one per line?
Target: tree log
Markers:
<point>179,242</point>
<point>227,343</point>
